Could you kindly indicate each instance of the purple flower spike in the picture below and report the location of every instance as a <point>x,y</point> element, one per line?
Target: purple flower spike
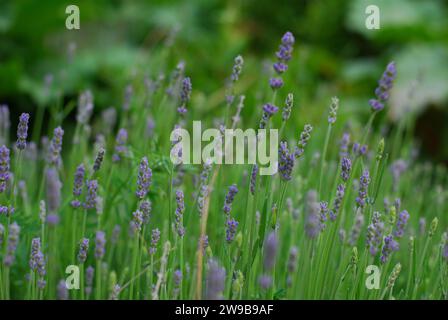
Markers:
<point>270,251</point>
<point>402,220</point>
<point>91,197</point>
<point>4,168</point>
<point>77,185</point>
<point>346,166</point>
<point>343,150</point>
<point>312,224</point>
<point>83,249</point>
<point>283,55</point>
<point>155,237</point>
<point>53,190</point>
<point>185,95</point>
<point>389,246</point>
<point>120,145</point>
<point>253,179</point>
<point>144,179</point>
<point>215,282</point>
<point>22,131</point>
<point>13,241</point>
<point>179,213</point>
<point>268,111</point>
<point>61,290</point>
<point>363,186</point>
<point>100,244</point>
<point>340,191</point>
<point>375,234</point>
<point>385,84</point>
<point>233,190</point>
<point>232,225</point>
<point>56,147</point>
<point>286,161</point>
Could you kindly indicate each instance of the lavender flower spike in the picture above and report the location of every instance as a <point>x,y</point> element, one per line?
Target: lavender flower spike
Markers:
<point>346,166</point>
<point>305,136</point>
<point>253,179</point>
<point>185,94</point>
<point>402,220</point>
<point>340,191</point>
<point>62,291</point>
<point>13,241</point>
<point>99,159</point>
<point>363,187</point>
<point>53,190</point>
<point>100,243</point>
<point>77,185</point>
<point>286,113</point>
<point>22,131</point>
<point>56,147</point>
<point>333,110</point>
<point>233,190</point>
<point>91,197</point>
<point>232,225</point>
<point>375,234</point>
<point>155,237</point>
<point>385,84</point>
<point>120,145</point>
<point>179,213</point>
<point>215,282</point>
<point>144,179</point>
<point>237,68</point>
<point>312,223</point>
<point>270,251</point>
<point>85,107</point>
<point>268,111</point>
<point>83,249</point>
<point>283,56</point>
<point>286,161</point>
<point>389,246</point>
<point>4,168</point>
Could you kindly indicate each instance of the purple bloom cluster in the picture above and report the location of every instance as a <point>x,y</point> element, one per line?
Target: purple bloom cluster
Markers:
<point>90,272</point>
<point>83,249</point>
<point>268,111</point>
<point>323,205</point>
<point>203,187</point>
<point>233,190</point>
<point>232,225</point>
<point>237,68</point>
<point>283,56</point>
<point>345,141</point>
<point>286,113</point>
<point>305,136</point>
<point>13,241</point>
<point>215,281</point>
<point>286,161</point>
<point>77,185</point>
<point>253,179</point>
<point>6,211</point>
<point>85,107</point>
<point>99,159</point>
<point>185,94</point>
<point>145,207</point>
<point>333,110</point>
<point>155,237</point>
<point>346,166</point>
<point>144,179</point>
<point>37,262</point>
<point>91,196</point>
<point>389,246</point>
<point>61,290</point>
<point>56,147</point>
<point>340,191</point>
<point>179,213</point>
<point>312,223</point>
<point>22,131</point>
<point>375,232</point>
<point>356,229</point>
<point>4,168</point>
<point>363,186</point>
<point>121,149</point>
<point>53,190</point>
<point>100,244</point>
<point>385,84</point>
<point>135,226</point>
<point>402,220</point>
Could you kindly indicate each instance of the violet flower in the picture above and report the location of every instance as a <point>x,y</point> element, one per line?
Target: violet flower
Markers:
<point>215,281</point>
<point>53,190</point>
<point>233,190</point>
<point>155,237</point>
<point>121,149</point>
<point>4,168</point>
<point>232,225</point>
<point>385,84</point>
<point>22,131</point>
<point>144,179</point>
<point>100,243</point>
<point>77,185</point>
<point>286,161</point>
<point>11,247</point>
<point>363,187</point>
<point>179,213</point>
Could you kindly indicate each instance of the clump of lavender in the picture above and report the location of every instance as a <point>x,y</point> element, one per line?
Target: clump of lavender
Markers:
<point>203,242</point>
<point>53,190</point>
<point>179,213</point>
<point>6,211</point>
<point>340,191</point>
<point>312,223</point>
<point>37,262</point>
<point>203,184</point>
<point>385,84</point>
<point>286,161</point>
<point>99,159</point>
<point>363,187</point>
<point>56,147</point>
<point>389,246</point>
<point>13,241</point>
<point>269,259</point>
<point>356,229</point>
<point>253,179</point>
<point>346,167</point>
<point>121,149</point>
<point>145,207</point>
<point>22,131</point>
<point>91,196</point>
<point>359,150</point>
<point>286,113</point>
<point>283,56</point>
<point>233,190</point>
<point>85,107</point>
<point>334,106</point>
<point>402,220</point>
<point>268,111</point>
<point>83,249</point>
<point>375,232</point>
<point>144,179</point>
<point>345,141</point>
<point>232,226</point>
<point>215,281</point>
<point>155,237</point>
<point>177,281</point>
<point>305,136</point>
<point>185,94</point>
<point>4,168</point>
<point>100,243</point>
<point>77,185</point>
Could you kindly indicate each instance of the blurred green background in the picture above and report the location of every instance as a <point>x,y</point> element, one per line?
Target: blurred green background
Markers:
<point>121,41</point>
